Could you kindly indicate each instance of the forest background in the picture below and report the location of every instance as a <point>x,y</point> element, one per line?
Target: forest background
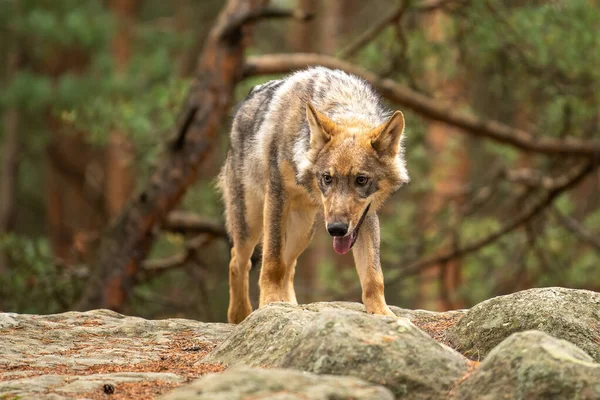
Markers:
<point>105,202</point>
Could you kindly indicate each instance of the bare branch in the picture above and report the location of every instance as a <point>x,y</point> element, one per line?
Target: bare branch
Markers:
<point>577,229</point>
<point>427,107</point>
<point>187,222</point>
<point>163,264</point>
<point>562,184</point>
<point>151,268</point>
<point>428,6</point>
<point>372,33</point>
<point>530,178</point>
<point>534,179</point>
<point>262,13</point>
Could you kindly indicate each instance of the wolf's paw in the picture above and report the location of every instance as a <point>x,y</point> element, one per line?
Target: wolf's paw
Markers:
<point>275,298</point>
<point>381,310</point>
<point>388,312</point>
<point>238,312</point>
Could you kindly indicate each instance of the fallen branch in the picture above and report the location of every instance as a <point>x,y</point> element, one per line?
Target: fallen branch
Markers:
<point>425,106</point>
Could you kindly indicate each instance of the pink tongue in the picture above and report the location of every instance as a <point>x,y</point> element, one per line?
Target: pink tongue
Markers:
<point>341,245</point>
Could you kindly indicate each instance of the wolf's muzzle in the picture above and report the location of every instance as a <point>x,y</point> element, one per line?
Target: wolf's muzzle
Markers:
<point>337,228</point>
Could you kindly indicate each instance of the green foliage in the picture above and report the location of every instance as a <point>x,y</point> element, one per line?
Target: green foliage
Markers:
<point>68,23</point>
<point>141,102</point>
<point>27,91</point>
<point>34,284</point>
<point>68,72</point>
<point>545,53</point>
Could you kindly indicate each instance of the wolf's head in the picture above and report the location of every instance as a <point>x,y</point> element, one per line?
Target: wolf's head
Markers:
<point>356,167</point>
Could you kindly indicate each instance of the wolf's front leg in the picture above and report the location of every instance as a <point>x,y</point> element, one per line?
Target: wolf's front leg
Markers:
<point>272,281</point>
<point>368,266</point>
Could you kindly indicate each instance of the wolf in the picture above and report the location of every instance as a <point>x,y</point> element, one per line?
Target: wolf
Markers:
<point>318,142</point>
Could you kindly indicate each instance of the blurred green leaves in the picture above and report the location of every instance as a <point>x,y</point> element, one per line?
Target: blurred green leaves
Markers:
<point>34,283</point>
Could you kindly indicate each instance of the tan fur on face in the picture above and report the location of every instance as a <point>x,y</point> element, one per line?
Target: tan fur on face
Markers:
<point>340,159</point>
<point>347,149</point>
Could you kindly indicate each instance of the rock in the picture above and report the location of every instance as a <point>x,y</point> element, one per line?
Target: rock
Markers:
<point>336,340</point>
<point>65,355</point>
<point>315,351</point>
<point>264,337</point>
<point>435,324</point>
<point>245,383</point>
<point>71,386</point>
<point>281,323</point>
<point>389,351</point>
<point>572,315</point>
<point>533,365</point>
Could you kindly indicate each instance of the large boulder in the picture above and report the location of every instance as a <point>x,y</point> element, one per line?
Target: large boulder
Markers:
<point>281,384</point>
<point>569,314</point>
<point>533,365</point>
<point>264,337</point>
<point>75,355</point>
<point>341,341</point>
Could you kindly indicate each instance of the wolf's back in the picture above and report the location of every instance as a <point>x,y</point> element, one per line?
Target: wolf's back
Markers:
<point>270,124</point>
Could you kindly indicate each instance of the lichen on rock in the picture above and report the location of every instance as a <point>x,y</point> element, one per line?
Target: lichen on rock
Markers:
<point>285,384</point>
<point>341,341</point>
<point>533,365</point>
<point>315,351</point>
<point>569,314</point>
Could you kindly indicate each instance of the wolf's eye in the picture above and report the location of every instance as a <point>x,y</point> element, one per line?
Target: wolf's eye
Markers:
<point>327,179</point>
<point>362,180</point>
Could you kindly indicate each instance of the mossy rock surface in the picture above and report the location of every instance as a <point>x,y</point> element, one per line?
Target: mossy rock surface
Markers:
<point>79,355</point>
<point>569,314</point>
<point>533,365</point>
<point>330,351</point>
<point>243,383</point>
<point>330,339</point>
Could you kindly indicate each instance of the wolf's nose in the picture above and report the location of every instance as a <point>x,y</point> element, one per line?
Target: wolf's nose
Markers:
<point>337,228</point>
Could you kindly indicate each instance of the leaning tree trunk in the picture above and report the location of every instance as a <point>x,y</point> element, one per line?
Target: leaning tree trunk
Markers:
<point>126,243</point>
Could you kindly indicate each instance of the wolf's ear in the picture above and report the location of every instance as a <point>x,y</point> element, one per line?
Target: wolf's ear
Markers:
<point>321,127</point>
<point>385,139</point>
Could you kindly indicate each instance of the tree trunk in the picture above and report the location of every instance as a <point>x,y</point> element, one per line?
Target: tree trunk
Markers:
<point>301,34</point>
<point>74,210</point>
<point>129,239</point>
<point>119,180</point>
<point>74,199</point>
<point>331,25</point>
<point>449,172</point>
<point>9,167</point>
